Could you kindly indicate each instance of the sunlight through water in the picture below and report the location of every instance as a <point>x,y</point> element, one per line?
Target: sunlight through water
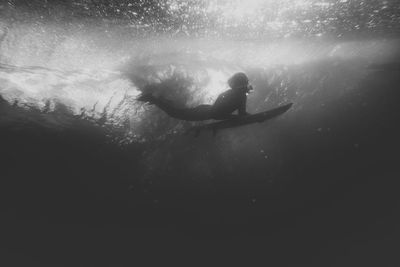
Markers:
<point>94,59</point>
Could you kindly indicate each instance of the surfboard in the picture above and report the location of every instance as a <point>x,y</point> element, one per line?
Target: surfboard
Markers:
<point>239,121</point>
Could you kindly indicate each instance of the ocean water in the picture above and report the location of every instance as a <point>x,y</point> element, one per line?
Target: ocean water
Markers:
<point>92,177</point>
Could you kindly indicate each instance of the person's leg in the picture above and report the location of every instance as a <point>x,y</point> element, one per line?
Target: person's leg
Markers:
<point>166,105</point>
<point>202,112</point>
<point>199,113</point>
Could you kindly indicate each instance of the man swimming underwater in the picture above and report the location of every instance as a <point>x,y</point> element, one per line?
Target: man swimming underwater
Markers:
<point>222,109</point>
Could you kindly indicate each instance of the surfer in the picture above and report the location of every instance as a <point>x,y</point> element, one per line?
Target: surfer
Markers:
<point>227,102</point>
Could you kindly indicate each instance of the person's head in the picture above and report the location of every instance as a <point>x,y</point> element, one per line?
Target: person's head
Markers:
<point>239,81</point>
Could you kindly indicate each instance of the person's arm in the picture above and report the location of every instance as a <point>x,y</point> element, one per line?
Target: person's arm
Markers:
<point>242,108</point>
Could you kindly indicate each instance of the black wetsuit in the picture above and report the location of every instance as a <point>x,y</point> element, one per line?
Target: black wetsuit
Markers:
<point>226,103</point>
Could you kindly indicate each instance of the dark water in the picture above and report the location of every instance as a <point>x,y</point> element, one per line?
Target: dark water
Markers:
<point>91,177</point>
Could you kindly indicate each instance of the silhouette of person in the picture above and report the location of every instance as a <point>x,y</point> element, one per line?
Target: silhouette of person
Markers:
<point>222,109</point>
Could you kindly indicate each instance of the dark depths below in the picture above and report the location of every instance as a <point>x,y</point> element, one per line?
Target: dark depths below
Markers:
<point>70,198</point>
